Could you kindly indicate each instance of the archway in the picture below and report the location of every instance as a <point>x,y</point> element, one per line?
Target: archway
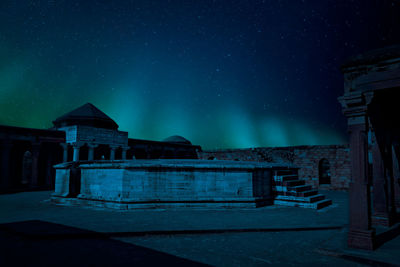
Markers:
<point>324,172</point>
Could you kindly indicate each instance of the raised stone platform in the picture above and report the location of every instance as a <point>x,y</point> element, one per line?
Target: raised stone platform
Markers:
<point>164,183</point>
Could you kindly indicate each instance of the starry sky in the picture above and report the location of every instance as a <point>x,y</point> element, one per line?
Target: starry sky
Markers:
<point>223,74</point>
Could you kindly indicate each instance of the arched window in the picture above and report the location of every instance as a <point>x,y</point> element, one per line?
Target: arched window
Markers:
<point>324,172</point>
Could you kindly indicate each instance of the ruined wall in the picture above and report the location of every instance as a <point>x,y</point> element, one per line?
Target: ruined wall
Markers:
<point>308,158</point>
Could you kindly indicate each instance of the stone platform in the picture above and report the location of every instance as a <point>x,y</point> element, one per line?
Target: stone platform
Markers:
<point>134,184</point>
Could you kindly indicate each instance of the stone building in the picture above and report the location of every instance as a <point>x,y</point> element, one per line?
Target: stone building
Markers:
<point>27,155</point>
<point>91,134</point>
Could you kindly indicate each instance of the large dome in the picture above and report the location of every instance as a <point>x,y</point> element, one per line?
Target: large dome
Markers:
<point>87,115</point>
<point>177,139</point>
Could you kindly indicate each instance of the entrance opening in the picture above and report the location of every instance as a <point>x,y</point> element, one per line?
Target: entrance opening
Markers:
<point>324,172</point>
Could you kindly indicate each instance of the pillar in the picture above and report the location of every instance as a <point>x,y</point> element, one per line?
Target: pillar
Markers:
<point>65,151</point>
<point>35,164</point>
<point>112,152</point>
<point>396,174</point>
<point>124,150</point>
<point>360,234</point>
<point>5,153</point>
<point>76,147</point>
<point>382,214</point>
<point>91,148</point>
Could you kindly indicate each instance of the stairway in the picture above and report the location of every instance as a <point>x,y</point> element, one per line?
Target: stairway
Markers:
<point>289,190</point>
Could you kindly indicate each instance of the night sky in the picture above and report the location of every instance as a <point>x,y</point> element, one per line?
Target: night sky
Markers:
<point>223,74</point>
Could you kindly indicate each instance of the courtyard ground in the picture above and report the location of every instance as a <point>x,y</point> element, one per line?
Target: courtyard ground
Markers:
<point>36,232</point>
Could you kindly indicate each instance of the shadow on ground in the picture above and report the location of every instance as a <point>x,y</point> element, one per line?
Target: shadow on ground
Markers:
<point>40,243</point>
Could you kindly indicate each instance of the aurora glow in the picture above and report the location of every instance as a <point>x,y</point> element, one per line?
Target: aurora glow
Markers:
<point>220,73</point>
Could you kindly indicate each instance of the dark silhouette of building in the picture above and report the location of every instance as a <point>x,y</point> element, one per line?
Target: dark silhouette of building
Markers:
<point>27,156</point>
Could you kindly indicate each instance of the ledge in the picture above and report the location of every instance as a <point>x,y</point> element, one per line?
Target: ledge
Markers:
<point>173,164</point>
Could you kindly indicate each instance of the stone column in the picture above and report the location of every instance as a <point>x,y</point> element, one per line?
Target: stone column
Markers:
<point>76,147</point>
<point>5,151</point>
<point>360,234</point>
<point>112,151</point>
<point>91,151</point>
<point>382,214</point>
<point>124,149</point>
<point>35,164</point>
<point>396,174</point>
<point>65,151</point>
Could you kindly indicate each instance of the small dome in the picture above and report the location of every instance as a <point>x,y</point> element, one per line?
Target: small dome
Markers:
<point>177,139</point>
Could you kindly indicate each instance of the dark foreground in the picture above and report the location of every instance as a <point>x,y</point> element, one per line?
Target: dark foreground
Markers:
<point>35,232</point>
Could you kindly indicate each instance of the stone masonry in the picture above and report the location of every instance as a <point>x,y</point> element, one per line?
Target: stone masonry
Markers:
<point>308,158</point>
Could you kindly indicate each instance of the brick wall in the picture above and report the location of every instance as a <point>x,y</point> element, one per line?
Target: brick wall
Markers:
<point>307,158</point>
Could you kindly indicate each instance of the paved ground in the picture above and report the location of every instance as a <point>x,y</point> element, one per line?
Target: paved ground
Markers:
<point>36,232</point>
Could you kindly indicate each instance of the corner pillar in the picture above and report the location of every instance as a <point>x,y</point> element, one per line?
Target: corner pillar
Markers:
<point>360,234</point>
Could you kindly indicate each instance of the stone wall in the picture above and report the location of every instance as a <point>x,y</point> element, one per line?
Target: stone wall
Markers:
<point>166,183</point>
<point>308,158</point>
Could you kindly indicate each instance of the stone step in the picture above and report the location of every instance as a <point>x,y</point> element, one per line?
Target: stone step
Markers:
<point>298,194</point>
<point>315,205</point>
<point>308,193</point>
<point>310,199</point>
<point>290,183</point>
<point>294,183</point>
<point>285,172</point>
<point>284,178</point>
<point>323,203</point>
<point>299,188</point>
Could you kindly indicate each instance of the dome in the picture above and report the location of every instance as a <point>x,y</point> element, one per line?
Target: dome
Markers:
<point>177,139</point>
<point>87,115</point>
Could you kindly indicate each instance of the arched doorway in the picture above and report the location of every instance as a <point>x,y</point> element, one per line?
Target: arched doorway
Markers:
<point>324,172</point>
